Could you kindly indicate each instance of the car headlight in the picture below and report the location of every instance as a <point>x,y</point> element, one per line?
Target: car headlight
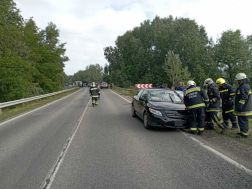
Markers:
<point>156,112</point>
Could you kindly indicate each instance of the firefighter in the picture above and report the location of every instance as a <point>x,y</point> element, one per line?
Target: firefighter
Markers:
<point>94,93</point>
<point>227,93</point>
<point>214,107</point>
<point>243,106</point>
<point>195,101</point>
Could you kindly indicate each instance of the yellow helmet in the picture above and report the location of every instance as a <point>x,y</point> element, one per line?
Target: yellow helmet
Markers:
<point>220,81</point>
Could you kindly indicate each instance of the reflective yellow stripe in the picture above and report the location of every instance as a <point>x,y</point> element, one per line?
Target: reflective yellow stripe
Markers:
<point>201,129</point>
<point>232,94</point>
<point>95,96</point>
<point>238,92</point>
<point>93,89</point>
<point>249,92</point>
<point>224,91</point>
<point>242,102</point>
<point>207,100</point>
<point>242,114</point>
<point>192,90</point>
<point>245,134</point>
<point>229,111</point>
<point>196,106</point>
<point>213,110</point>
<point>193,129</point>
<point>214,99</point>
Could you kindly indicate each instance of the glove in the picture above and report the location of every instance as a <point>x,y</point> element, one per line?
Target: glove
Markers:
<point>207,105</point>
<point>229,103</point>
<point>239,107</point>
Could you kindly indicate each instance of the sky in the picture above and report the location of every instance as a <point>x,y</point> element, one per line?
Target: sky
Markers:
<point>88,26</point>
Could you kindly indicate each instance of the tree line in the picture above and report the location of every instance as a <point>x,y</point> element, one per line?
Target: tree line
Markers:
<point>170,49</point>
<point>31,59</point>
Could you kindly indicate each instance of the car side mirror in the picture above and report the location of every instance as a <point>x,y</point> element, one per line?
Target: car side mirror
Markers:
<point>142,99</point>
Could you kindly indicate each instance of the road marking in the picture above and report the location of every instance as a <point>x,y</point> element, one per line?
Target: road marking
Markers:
<point>238,165</point>
<point>53,171</point>
<point>36,109</point>
<point>120,96</point>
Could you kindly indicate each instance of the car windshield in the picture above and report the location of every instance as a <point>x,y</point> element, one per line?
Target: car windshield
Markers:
<point>163,96</point>
<point>180,93</point>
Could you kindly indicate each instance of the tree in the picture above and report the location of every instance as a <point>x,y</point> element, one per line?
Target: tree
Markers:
<point>174,69</point>
<point>232,53</point>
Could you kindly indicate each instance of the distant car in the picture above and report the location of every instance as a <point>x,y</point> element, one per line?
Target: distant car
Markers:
<point>104,85</point>
<point>90,84</point>
<point>160,108</point>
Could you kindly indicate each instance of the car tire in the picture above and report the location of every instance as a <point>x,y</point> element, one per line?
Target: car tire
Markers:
<point>133,112</point>
<point>145,121</point>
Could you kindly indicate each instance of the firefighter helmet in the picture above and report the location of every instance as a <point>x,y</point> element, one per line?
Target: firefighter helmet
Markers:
<point>190,83</point>
<point>220,81</point>
<point>207,82</point>
<point>240,76</point>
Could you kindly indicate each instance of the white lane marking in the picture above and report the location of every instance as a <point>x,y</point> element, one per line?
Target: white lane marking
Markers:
<point>120,96</point>
<point>53,171</point>
<point>36,109</point>
<point>238,165</point>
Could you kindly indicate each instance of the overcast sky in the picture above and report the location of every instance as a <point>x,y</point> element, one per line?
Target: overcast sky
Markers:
<point>89,26</point>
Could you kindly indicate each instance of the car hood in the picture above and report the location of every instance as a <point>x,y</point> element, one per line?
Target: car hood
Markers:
<point>166,106</point>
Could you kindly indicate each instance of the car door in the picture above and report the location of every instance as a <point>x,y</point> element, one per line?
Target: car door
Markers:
<point>136,100</point>
<point>142,104</point>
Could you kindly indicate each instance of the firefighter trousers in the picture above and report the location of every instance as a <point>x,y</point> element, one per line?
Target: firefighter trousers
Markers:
<point>95,100</point>
<point>196,119</point>
<point>243,122</point>
<point>212,117</point>
<point>231,116</point>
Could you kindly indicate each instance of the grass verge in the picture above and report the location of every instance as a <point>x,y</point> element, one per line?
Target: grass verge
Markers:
<point>232,133</point>
<point>124,92</point>
<point>11,111</point>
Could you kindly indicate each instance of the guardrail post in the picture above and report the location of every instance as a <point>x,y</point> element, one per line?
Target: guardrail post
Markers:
<point>1,111</point>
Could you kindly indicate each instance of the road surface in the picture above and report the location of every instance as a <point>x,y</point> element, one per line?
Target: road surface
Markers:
<point>70,144</point>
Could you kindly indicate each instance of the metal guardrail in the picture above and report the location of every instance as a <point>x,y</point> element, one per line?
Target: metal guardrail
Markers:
<point>124,89</point>
<point>20,101</point>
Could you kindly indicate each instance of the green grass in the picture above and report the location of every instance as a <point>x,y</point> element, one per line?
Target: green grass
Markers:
<point>232,133</point>
<point>9,112</point>
<point>124,92</point>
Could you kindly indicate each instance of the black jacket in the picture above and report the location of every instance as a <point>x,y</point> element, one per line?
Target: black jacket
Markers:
<point>227,94</point>
<point>195,97</point>
<point>243,103</point>
<point>94,92</point>
<point>214,98</point>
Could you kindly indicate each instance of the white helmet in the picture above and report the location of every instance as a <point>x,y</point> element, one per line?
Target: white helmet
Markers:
<point>240,76</point>
<point>190,83</point>
<point>207,82</point>
<point>93,84</point>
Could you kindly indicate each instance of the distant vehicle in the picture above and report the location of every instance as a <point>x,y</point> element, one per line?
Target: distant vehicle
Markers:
<point>104,85</point>
<point>160,108</point>
<point>90,84</point>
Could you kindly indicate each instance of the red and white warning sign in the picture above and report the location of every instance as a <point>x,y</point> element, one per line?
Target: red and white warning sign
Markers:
<point>141,86</point>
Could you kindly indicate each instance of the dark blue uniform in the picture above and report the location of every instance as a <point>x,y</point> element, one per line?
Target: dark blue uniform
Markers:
<point>243,106</point>
<point>214,108</point>
<point>227,94</point>
<point>94,93</point>
<point>195,101</point>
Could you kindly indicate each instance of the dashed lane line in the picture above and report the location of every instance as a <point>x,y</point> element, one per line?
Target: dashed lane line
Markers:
<point>236,164</point>
<point>53,171</point>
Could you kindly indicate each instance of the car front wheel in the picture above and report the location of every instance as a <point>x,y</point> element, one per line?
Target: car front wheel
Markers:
<point>145,120</point>
<point>133,112</point>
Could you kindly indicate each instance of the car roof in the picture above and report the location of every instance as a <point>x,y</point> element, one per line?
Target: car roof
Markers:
<point>157,89</point>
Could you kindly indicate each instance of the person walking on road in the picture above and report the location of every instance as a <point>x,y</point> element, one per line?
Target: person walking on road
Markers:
<point>214,107</point>
<point>195,100</point>
<point>94,93</point>
<point>227,93</point>
<point>243,106</point>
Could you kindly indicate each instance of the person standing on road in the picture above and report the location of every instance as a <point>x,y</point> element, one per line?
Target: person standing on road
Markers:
<point>243,106</point>
<point>214,107</point>
<point>195,101</point>
<point>94,93</point>
<point>227,93</point>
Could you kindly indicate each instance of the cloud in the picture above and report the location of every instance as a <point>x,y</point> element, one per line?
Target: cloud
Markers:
<point>89,26</point>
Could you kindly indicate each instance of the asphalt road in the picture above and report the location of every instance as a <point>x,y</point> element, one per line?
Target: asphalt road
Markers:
<point>110,149</point>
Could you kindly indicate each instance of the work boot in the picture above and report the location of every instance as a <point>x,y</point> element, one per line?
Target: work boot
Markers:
<point>192,132</point>
<point>234,126</point>
<point>224,129</point>
<point>200,133</point>
<point>209,127</point>
<point>240,135</point>
<point>93,104</point>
